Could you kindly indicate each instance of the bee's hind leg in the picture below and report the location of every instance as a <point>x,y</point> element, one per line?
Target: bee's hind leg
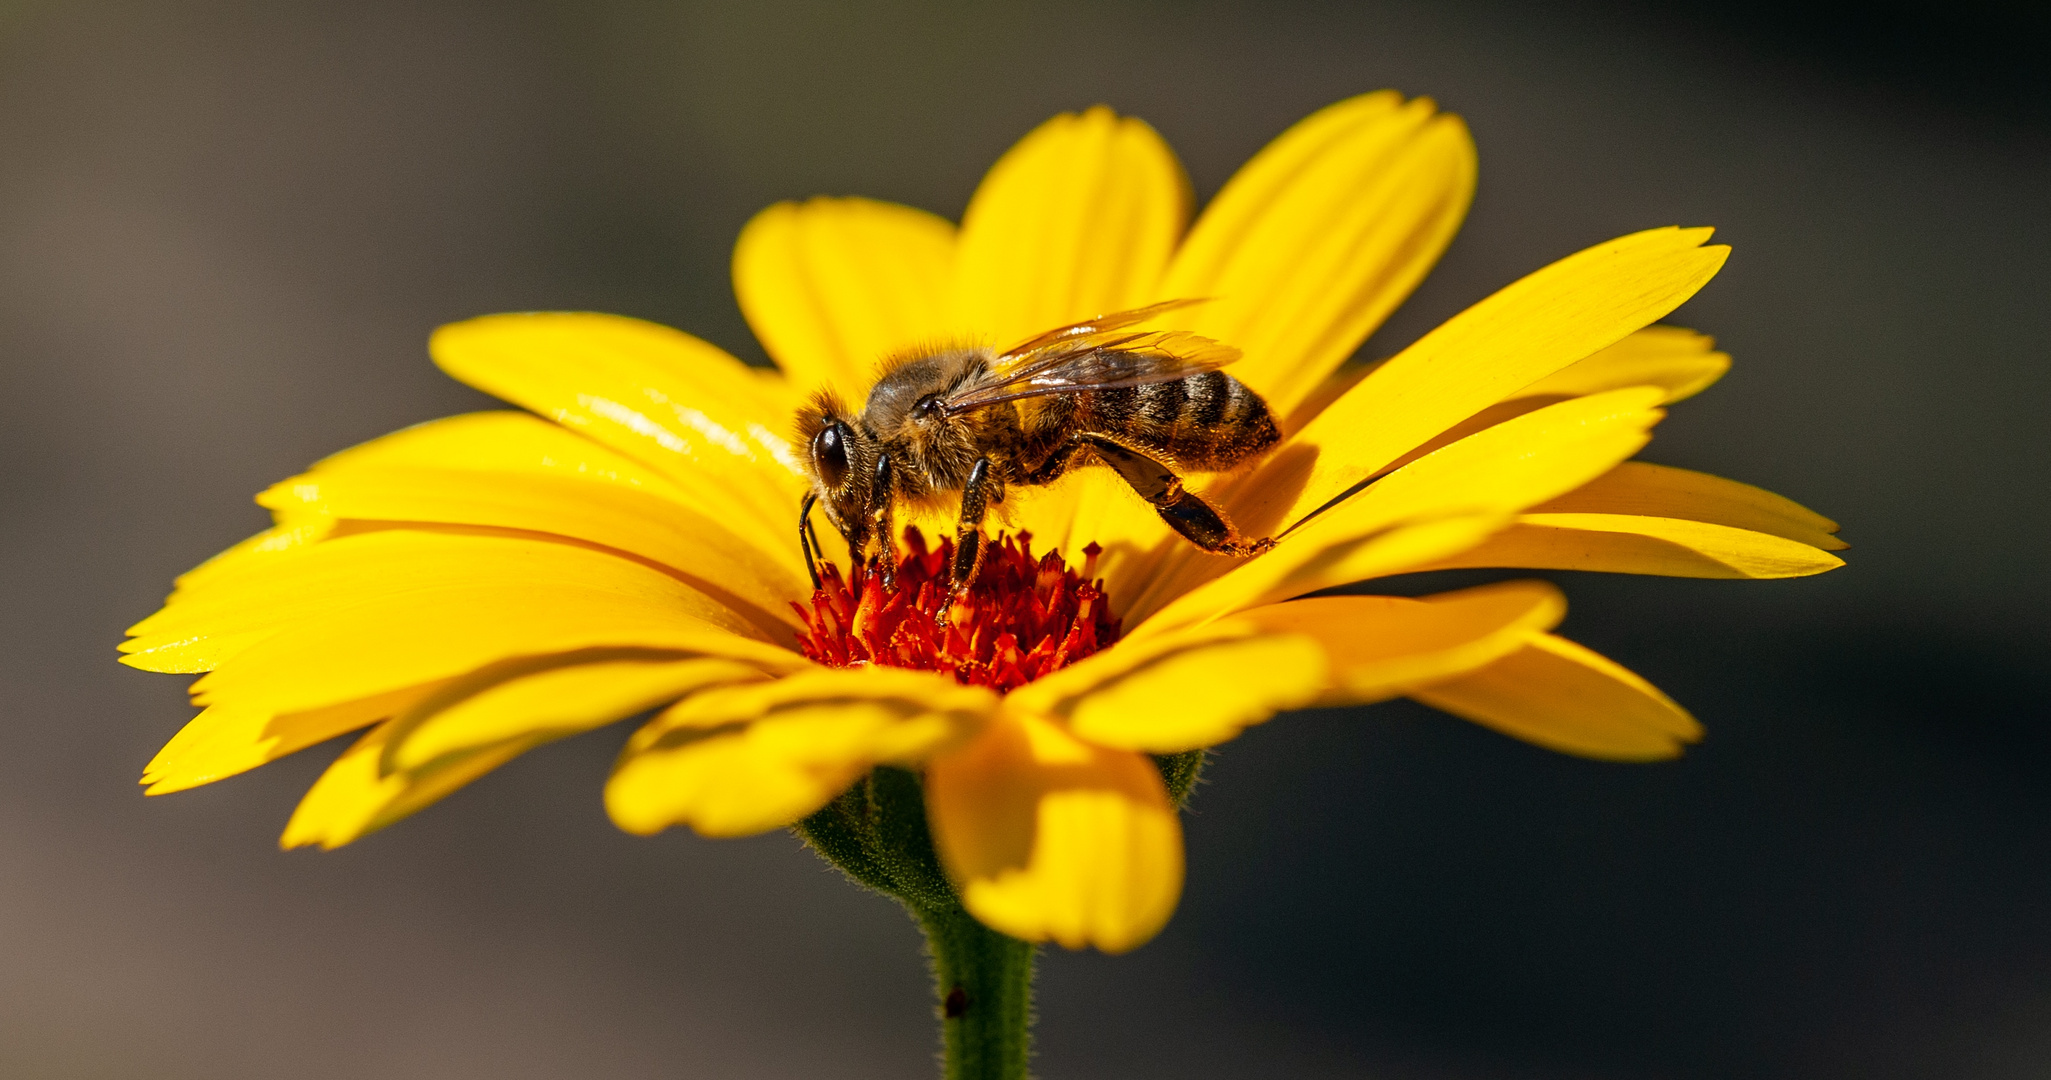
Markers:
<point>968,535</point>
<point>1185,511</point>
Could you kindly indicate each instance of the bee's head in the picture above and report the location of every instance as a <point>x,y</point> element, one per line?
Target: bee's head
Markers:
<point>840,458</point>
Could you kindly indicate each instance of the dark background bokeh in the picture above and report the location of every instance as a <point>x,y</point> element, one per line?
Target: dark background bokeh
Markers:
<point>226,229</point>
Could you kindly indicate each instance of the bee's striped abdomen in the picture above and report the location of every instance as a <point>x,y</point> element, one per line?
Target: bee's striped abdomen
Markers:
<point>1205,422</point>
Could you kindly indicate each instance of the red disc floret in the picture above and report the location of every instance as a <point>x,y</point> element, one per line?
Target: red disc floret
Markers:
<point>1020,619</point>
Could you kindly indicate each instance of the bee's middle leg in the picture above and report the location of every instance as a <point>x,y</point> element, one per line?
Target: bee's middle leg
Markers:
<point>1185,511</point>
<point>968,534</point>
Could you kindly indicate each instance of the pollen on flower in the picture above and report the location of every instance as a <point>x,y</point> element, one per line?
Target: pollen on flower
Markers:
<point>1021,618</point>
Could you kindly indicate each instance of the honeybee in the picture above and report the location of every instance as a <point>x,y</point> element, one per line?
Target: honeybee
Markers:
<point>1146,403</point>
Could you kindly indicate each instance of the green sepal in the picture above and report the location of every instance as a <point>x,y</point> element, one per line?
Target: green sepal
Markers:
<point>1181,772</point>
<point>876,833</point>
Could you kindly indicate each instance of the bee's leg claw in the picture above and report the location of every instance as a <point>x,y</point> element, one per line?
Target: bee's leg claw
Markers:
<point>968,558</point>
<point>1247,549</point>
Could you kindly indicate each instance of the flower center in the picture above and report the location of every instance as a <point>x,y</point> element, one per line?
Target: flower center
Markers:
<point>1020,619</point>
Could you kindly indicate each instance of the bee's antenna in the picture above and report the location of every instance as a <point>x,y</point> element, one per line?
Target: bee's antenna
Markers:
<point>805,539</point>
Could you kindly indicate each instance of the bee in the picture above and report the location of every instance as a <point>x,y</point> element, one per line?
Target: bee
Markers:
<point>1145,403</point>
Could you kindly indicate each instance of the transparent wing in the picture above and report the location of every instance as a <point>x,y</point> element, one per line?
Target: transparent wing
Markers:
<point>1102,324</point>
<point>1096,355</point>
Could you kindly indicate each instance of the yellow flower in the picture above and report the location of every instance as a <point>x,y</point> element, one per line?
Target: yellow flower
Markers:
<point>473,587</point>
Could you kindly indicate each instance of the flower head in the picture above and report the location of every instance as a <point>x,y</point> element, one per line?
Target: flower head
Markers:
<point>474,587</point>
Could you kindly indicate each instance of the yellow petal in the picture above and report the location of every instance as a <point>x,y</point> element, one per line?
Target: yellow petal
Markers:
<point>429,634</point>
<point>553,696</point>
<point>352,799</point>
<point>1179,691</point>
<point>1076,220</point>
<point>529,474</point>
<point>1318,238</point>
<point>518,444</point>
<point>1379,646</point>
<point>1481,356</point>
<point>1637,487</point>
<point>749,573</point>
<point>242,598</point>
<point>832,286</point>
<point>1565,697</point>
<point>1431,508</point>
<point>214,615</point>
<point>523,445</point>
<point>276,540</point>
<point>658,395</point>
<point>1683,362</point>
<point>500,440</point>
<point>550,466</point>
<point>746,759</point>
<point>570,599</point>
<point>1199,687</point>
<point>236,736</point>
<point>214,619</point>
<point>1049,838</point>
<point>1631,544</point>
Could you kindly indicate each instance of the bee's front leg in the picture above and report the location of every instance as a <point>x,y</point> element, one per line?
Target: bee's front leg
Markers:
<point>806,541</point>
<point>880,495</point>
<point>968,536</point>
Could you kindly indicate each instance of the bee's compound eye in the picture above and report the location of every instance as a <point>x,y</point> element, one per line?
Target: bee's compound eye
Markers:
<point>829,454</point>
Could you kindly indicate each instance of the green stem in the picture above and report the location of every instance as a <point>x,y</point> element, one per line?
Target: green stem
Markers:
<point>984,981</point>
<point>876,833</point>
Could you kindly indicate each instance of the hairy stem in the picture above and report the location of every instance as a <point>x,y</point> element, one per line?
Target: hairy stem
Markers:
<point>876,833</point>
<point>984,981</point>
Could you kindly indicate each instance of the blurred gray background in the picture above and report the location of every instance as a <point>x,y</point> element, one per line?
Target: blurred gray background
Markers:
<point>227,228</point>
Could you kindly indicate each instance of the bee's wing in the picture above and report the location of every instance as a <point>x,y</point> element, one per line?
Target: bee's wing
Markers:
<point>1095,355</point>
<point>1102,324</point>
<point>1095,364</point>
